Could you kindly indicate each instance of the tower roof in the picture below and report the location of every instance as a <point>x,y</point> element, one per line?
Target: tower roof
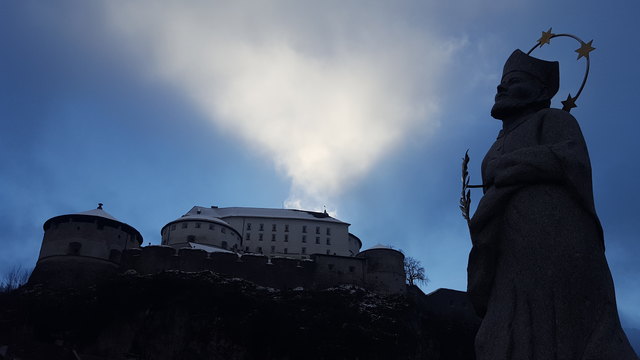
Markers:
<point>96,213</point>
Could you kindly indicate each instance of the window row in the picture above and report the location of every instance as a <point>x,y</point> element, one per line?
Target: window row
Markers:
<point>274,227</point>
<point>185,225</point>
<point>259,250</point>
<point>247,237</point>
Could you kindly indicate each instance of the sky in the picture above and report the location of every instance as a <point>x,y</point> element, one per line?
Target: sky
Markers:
<point>364,108</point>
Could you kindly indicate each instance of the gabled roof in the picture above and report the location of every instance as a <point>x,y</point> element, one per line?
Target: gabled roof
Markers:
<point>222,213</point>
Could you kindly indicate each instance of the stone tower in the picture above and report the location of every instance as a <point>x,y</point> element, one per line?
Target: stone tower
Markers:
<point>78,248</point>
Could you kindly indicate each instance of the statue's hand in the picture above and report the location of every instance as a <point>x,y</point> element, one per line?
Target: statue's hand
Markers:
<point>489,173</point>
<point>527,166</point>
<point>510,173</point>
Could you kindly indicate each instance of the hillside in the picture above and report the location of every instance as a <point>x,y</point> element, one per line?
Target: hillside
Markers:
<point>177,315</point>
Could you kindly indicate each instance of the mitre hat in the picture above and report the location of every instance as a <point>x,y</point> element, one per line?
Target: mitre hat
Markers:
<point>548,72</point>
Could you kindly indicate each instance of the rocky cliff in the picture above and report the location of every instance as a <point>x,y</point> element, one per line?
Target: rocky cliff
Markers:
<point>177,315</point>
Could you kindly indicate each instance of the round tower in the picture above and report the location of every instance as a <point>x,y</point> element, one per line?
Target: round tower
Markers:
<point>384,269</point>
<point>196,230</point>
<point>79,248</point>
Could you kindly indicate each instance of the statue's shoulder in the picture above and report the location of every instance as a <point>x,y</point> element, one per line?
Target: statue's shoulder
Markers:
<point>551,113</point>
<point>557,117</point>
<point>559,122</point>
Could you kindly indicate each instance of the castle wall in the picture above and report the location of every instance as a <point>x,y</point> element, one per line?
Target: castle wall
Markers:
<point>292,237</point>
<point>86,236</point>
<point>71,271</point>
<point>384,269</point>
<point>336,270</point>
<point>323,271</point>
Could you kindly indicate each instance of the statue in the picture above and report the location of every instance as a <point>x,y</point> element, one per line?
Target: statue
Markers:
<point>537,272</point>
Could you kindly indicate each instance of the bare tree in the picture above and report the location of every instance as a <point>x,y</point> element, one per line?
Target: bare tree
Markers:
<point>414,271</point>
<point>14,278</point>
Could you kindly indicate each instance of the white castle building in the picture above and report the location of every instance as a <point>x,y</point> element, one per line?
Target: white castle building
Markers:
<point>273,232</point>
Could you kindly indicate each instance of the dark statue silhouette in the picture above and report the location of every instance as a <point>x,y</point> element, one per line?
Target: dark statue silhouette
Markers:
<point>537,272</point>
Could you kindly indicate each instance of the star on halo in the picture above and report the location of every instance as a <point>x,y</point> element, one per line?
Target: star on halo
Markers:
<point>585,49</point>
<point>569,104</point>
<point>546,37</point>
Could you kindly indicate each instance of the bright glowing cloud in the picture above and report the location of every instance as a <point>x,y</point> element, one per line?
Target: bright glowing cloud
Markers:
<point>324,90</point>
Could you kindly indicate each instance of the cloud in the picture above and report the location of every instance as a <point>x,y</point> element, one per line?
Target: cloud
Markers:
<point>323,89</point>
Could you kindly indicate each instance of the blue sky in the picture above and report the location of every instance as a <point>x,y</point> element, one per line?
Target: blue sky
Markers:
<point>360,106</point>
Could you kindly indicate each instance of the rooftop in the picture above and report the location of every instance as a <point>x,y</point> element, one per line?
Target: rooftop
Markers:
<point>98,212</point>
<point>222,213</point>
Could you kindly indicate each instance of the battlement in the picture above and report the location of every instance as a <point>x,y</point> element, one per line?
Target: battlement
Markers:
<point>322,271</point>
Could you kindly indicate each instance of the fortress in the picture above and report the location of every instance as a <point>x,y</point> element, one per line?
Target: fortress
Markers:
<point>279,248</point>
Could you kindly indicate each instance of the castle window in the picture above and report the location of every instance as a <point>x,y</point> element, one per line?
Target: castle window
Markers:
<point>304,238</point>
<point>352,268</point>
<point>197,225</point>
<point>212,227</point>
<point>246,249</point>
<point>317,229</point>
<point>273,237</point>
<point>328,252</point>
<point>285,250</point>
<point>259,249</point>
<point>328,231</point>
<point>248,226</point>
<point>260,237</point>
<point>286,237</point>
<point>191,238</point>
<point>224,244</point>
<point>286,228</point>
<point>114,255</point>
<point>74,248</point>
<point>328,241</point>
<point>304,250</point>
<point>185,225</point>
<point>304,228</point>
<point>223,230</point>
<point>317,239</point>
<point>273,227</point>
<point>173,227</point>
<point>273,249</point>
<point>261,227</point>
<point>248,236</point>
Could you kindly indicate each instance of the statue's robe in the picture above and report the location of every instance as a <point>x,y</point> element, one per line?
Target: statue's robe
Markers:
<point>537,271</point>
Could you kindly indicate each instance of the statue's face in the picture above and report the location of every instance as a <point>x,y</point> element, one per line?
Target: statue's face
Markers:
<point>516,92</point>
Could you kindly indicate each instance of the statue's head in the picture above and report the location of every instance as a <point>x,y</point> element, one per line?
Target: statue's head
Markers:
<point>527,84</point>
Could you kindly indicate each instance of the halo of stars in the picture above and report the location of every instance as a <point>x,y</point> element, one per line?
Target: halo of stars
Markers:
<point>583,51</point>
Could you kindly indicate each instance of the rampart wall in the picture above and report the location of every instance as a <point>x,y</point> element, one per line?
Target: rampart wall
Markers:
<point>322,271</point>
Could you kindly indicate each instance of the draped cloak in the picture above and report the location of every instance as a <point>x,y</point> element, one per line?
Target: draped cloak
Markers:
<point>537,273</point>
